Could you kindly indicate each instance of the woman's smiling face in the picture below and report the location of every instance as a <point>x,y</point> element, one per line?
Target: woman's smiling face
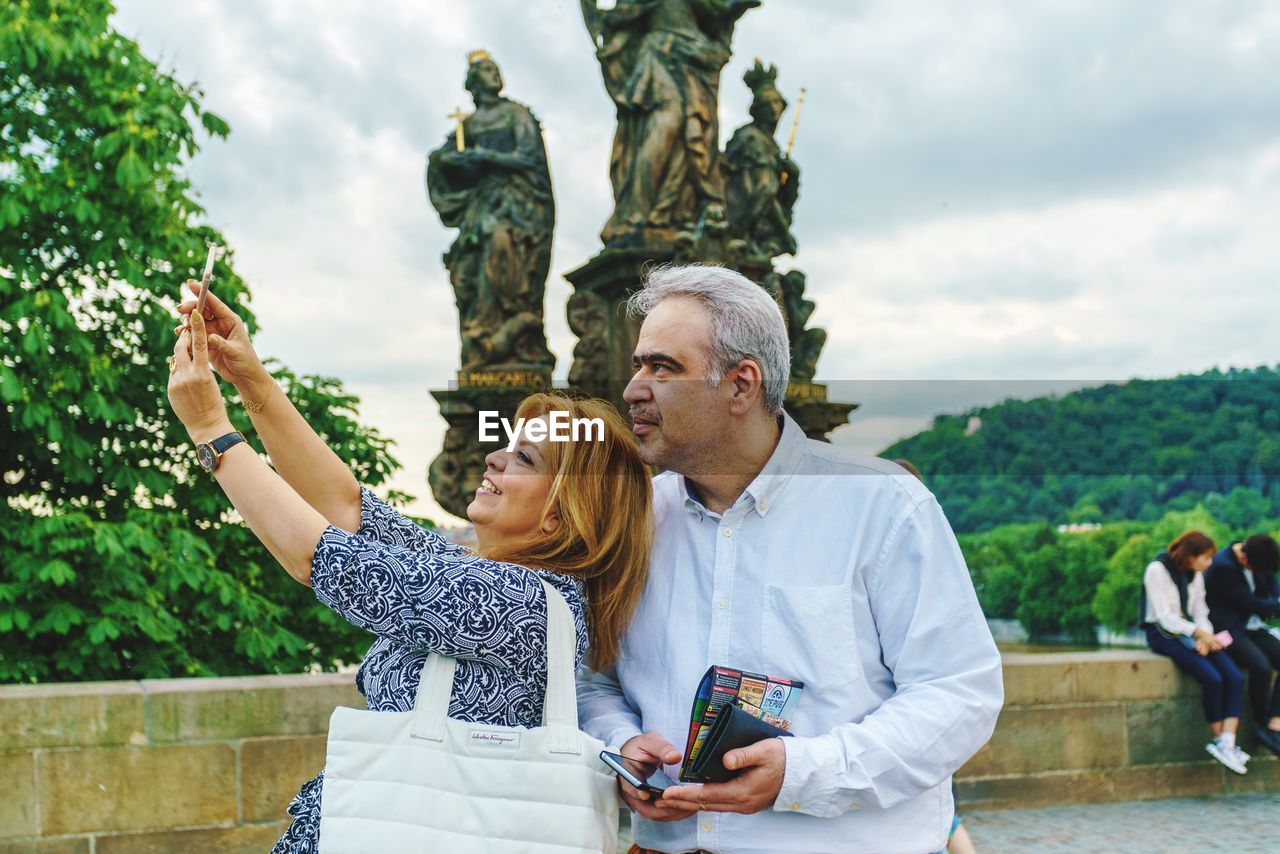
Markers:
<point>513,491</point>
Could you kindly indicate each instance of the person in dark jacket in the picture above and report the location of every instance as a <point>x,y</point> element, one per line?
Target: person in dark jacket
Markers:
<point>1243,593</point>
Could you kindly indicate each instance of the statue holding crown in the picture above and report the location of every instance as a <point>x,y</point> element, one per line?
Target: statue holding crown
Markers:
<point>762,182</point>
<point>489,179</point>
<point>661,62</point>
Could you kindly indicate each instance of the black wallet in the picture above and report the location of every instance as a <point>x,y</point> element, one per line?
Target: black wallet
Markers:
<point>733,728</point>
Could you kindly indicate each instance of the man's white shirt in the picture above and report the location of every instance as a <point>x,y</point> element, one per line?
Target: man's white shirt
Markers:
<point>838,569</point>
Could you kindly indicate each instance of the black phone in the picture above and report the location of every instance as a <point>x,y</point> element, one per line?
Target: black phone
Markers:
<point>631,771</point>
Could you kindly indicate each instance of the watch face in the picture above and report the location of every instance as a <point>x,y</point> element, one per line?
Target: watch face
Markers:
<point>204,454</point>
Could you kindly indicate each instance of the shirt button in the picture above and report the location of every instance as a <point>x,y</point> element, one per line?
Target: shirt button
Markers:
<point>706,825</point>
<point>852,807</point>
<point>795,805</point>
<point>764,506</point>
<point>722,604</point>
<point>728,532</point>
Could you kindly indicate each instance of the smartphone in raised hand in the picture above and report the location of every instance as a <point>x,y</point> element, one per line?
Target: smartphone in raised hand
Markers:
<point>635,773</point>
<point>204,282</point>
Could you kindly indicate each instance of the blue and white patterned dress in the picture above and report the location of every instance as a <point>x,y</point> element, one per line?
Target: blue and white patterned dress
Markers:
<point>421,594</point>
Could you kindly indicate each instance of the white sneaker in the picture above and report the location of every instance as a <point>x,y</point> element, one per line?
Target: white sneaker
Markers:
<point>1227,758</point>
<point>1241,755</point>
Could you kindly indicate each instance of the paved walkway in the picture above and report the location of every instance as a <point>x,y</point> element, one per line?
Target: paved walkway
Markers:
<point>1235,823</point>
<point>1240,824</point>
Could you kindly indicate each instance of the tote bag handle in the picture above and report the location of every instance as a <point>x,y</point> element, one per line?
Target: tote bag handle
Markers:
<point>560,704</point>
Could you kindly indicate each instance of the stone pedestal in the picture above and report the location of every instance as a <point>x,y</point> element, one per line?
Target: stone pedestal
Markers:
<point>807,403</point>
<point>598,316</point>
<point>456,472</point>
<point>607,337</point>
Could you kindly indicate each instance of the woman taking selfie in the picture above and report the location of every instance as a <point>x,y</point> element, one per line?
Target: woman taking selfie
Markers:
<point>1176,617</point>
<point>539,514</point>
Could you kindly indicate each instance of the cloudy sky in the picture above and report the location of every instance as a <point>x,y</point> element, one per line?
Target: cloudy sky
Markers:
<point>997,198</point>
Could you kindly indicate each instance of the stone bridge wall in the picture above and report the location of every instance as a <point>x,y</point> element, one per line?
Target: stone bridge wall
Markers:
<point>210,764</point>
<point>1089,727</point>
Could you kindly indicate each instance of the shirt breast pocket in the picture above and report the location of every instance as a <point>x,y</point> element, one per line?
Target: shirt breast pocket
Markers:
<point>808,635</point>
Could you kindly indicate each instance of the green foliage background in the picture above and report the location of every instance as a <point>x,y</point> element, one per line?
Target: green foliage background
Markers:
<point>1068,583</point>
<point>1122,451</point>
<point>117,555</point>
<point>1146,459</point>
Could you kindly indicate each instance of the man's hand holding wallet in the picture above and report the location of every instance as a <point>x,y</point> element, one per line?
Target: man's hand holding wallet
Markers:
<point>759,770</point>
<point>733,728</point>
<point>733,708</point>
<point>734,748</point>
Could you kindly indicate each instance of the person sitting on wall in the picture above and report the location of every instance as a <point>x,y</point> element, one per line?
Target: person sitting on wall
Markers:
<point>1176,616</point>
<point>1242,592</point>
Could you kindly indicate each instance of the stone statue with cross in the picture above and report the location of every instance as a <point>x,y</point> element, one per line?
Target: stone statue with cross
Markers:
<point>489,180</point>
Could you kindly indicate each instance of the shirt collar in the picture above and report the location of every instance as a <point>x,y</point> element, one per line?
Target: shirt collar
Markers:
<point>768,484</point>
<point>766,487</point>
<point>691,503</point>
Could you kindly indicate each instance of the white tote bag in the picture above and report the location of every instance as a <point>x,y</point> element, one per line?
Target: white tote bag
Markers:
<point>421,781</point>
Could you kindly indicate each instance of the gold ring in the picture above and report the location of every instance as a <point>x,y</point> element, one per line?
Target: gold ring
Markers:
<point>173,365</point>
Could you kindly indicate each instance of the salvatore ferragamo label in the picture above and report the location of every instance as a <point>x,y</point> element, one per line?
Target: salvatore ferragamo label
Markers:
<point>493,739</point>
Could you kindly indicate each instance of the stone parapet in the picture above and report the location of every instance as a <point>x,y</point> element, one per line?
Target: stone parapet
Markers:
<point>1087,727</point>
<point>211,764</point>
<point>160,765</point>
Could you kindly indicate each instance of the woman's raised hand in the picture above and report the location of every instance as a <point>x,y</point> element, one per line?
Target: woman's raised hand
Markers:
<point>193,392</point>
<point>231,352</point>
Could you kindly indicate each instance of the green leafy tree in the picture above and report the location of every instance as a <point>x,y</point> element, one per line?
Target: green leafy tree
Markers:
<point>1001,591</point>
<point>118,557</point>
<point>997,560</point>
<point>1115,605</point>
<point>1043,582</point>
<point>1086,510</point>
<point>1059,586</point>
<point>1177,522</point>
<point>1241,509</point>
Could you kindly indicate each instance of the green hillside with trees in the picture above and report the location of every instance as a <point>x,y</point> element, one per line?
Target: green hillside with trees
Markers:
<point>1136,463</point>
<point>1126,451</point>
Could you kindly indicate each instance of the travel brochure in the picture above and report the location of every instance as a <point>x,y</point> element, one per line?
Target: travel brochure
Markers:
<point>771,699</point>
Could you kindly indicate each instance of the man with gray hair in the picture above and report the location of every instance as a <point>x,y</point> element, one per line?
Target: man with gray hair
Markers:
<point>789,557</point>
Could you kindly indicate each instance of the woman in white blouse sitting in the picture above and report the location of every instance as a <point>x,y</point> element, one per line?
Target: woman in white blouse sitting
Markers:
<point>1176,617</point>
